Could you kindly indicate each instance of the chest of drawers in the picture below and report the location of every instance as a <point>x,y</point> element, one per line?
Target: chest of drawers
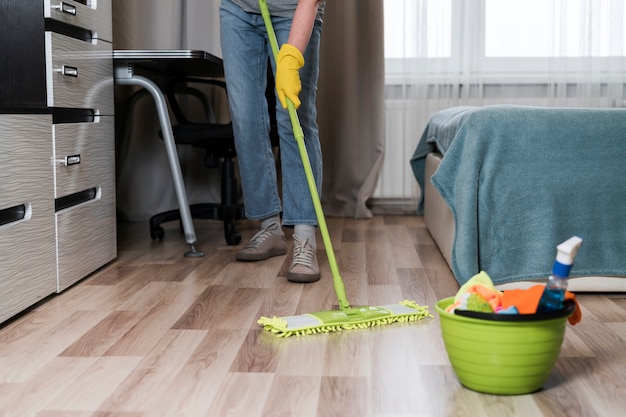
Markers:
<point>79,73</point>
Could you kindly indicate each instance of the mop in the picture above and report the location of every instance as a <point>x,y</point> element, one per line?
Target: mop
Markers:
<point>347,317</point>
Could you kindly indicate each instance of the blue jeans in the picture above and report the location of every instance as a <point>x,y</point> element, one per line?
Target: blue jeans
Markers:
<point>245,50</point>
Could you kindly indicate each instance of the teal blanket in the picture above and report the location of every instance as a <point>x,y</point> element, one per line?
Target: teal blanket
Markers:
<point>520,180</point>
<point>437,136</point>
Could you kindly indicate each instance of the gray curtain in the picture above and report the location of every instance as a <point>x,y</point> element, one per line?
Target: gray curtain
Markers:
<point>350,103</point>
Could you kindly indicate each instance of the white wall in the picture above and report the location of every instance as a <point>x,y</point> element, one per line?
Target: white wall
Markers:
<point>182,24</point>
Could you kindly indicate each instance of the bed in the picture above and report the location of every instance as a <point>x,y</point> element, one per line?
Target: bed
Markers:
<point>503,185</point>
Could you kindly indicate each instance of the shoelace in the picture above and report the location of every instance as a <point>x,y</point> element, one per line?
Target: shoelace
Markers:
<point>260,237</point>
<point>303,254</point>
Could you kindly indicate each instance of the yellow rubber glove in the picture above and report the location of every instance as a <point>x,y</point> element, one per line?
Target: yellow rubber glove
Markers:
<point>288,84</point>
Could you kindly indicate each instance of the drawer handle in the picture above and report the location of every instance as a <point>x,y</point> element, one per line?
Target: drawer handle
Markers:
<point>15,214</point>
<point>69,71</point>
<point>75,199</point>
<point>72,160</point>
<point>66,8</point>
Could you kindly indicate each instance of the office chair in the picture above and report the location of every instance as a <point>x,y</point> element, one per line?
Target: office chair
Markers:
<point>217,140</point>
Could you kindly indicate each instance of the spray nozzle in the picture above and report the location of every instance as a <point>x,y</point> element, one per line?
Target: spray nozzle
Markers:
<point>565,254</point>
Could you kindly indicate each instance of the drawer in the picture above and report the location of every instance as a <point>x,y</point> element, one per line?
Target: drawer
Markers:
<point>84,155</point>
<point>25,149</point>
<point>79,74</point>
<point>86,236</point>
<point>94,15</point>
<point>27,233</point>
<point>27,259</point>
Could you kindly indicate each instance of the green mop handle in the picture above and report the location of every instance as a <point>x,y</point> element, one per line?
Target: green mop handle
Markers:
<point>299,135</point>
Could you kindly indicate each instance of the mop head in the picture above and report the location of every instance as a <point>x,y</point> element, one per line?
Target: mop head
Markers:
<point>336,320</point>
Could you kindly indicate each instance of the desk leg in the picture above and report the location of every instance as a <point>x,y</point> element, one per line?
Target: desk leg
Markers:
<point>172,155</point>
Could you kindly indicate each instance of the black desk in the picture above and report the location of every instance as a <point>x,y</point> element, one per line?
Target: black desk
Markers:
<point>134,67</point>
<point>171,62</point>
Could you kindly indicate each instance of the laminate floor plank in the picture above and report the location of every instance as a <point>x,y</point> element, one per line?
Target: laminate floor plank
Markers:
<point>194,387</point>
<point>151,379</point>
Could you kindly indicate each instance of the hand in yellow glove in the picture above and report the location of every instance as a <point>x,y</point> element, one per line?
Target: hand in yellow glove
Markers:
<point>288,84</point>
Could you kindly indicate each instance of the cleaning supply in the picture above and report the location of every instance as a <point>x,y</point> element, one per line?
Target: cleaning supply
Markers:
<point>477,294</point>
<point>526,301</point>
<point>347,317</point>
<point>554,292</point>
<point>505,354</point>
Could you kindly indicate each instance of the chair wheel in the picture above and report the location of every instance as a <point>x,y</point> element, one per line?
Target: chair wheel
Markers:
<point>157,233</point>
<point>233,238</point>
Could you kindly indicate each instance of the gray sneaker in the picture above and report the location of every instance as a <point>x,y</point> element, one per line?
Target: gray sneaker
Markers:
<point>263,245</point>
<point>304,267</point>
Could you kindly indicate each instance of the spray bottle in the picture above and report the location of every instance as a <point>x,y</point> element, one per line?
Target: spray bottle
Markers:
<point>554,293</point>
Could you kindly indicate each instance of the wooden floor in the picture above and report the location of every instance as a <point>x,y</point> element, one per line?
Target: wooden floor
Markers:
<point>157,334</point>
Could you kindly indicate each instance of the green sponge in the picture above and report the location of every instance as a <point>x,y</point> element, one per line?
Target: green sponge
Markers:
<point>477,303</point>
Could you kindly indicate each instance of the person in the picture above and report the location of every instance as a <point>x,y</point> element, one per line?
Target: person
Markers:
<point>245,53</point>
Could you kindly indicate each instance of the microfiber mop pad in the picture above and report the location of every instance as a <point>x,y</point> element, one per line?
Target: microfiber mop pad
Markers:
<point>337,320</point>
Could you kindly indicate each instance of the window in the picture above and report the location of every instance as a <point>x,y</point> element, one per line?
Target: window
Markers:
<point>502,37</point>
<point>540,28</point>
<point>403,29</point>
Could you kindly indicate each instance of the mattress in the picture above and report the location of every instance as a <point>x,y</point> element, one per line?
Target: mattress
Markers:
<point>440,223</point>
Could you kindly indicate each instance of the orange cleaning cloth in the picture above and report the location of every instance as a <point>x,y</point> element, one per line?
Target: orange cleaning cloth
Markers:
<point>526,301</point>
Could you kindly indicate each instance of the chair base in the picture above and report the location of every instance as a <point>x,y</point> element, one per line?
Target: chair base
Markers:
<point>229,210</point>
<point>228,214</point>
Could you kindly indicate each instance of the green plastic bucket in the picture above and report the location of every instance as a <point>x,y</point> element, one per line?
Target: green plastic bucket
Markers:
<point>502,355</point>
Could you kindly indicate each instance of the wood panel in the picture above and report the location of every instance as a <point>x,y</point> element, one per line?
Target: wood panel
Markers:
<point>27,241</point>
<point>23,58</point>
